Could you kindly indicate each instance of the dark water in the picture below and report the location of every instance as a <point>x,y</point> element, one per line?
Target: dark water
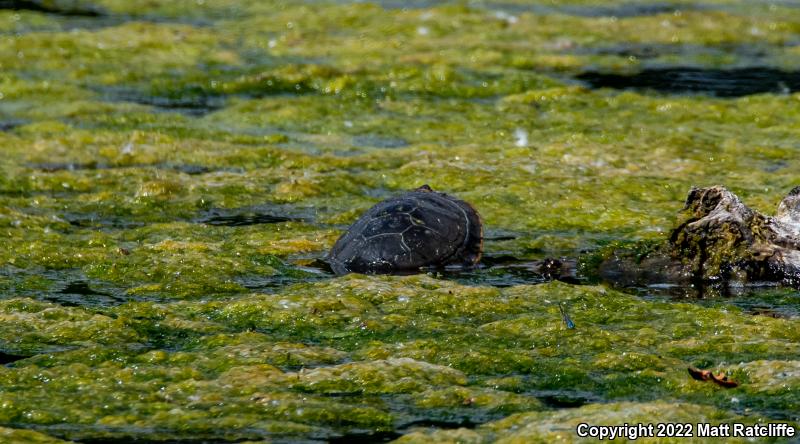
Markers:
<point>70,9</point>
<point>376,141</point>
<point>8,358</point>
<point>8,125</point>
<point>255,215</point>
<point>622,10</point>
<point>190,169</point>
<point>734,82</point>
<point>758,299</point>
<point>631,9</point>
<point>156,441</point>
<point>241,220</point>
<point>507,271</point>
<point>80,293</point>
<point>192,103</point>
<point>755,54</point>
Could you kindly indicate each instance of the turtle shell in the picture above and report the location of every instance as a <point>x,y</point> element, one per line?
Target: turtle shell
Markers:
<point>421,228</point>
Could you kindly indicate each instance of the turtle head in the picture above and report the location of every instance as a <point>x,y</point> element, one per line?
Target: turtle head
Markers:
<point>425,188</point>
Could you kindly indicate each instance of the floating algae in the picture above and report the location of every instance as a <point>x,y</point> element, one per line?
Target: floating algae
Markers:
<point>174,171</point>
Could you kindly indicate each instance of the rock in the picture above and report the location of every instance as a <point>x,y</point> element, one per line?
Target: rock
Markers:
<point>718,239</point>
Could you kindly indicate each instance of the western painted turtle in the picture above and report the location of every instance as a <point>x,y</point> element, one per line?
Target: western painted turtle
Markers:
<point>421,228</point>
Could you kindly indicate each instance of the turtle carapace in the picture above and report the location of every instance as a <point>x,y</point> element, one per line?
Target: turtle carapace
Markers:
<point>419,229</point>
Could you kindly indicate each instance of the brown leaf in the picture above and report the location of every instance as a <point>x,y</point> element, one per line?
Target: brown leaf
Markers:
<point>700,375</point>
<point>722,379</point>
<point>706,375</point>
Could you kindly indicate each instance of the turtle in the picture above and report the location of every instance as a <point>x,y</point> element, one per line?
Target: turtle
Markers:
<point>419,229</point>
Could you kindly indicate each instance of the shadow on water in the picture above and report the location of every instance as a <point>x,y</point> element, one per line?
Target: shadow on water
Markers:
<point>735,82</point>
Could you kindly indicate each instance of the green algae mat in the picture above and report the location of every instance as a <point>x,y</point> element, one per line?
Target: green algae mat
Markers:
<point>174,171</point>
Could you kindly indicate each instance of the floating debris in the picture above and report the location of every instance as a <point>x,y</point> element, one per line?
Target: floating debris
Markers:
<point>565,317</point>
<point>520,137</point>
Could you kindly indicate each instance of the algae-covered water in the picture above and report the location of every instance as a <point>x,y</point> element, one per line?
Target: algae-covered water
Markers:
<point>174,171</point>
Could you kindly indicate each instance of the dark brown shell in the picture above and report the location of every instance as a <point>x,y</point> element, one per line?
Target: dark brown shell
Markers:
<point>421,228</point>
